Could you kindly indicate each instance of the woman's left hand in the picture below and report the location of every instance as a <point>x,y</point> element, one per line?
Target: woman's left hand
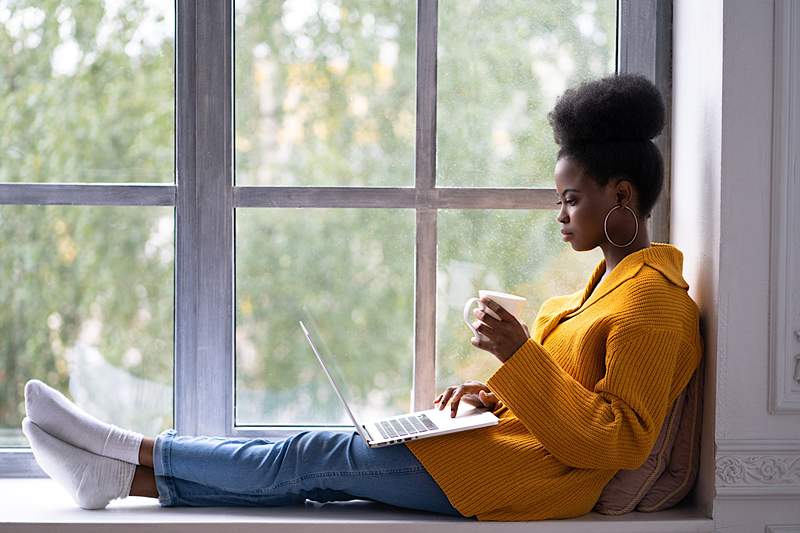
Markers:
<point>500,337</point>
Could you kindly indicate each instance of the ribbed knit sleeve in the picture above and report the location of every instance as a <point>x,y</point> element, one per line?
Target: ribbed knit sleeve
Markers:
<point>611,427</point>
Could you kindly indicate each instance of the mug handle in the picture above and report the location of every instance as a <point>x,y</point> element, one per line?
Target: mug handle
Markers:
<point>466,316</point>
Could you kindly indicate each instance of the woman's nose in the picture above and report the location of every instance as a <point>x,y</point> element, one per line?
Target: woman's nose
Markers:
<point>561,217</point>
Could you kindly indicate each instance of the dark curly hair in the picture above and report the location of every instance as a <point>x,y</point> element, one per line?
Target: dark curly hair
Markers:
<point>607,125</point>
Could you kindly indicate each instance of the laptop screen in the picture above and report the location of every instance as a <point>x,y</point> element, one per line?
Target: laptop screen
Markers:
<point>332,364</point>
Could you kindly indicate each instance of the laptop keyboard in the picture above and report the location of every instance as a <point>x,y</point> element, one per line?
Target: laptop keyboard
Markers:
<point>405,425</point>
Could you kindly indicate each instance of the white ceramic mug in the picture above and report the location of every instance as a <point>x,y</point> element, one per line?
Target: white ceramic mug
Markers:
<point>510,302</point>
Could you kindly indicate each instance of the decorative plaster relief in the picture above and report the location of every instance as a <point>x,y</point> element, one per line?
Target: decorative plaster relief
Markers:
<point>758,470</point>
<point>754,469</point>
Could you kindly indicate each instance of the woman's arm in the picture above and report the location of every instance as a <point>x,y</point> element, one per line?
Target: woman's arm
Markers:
<point>611,427</point>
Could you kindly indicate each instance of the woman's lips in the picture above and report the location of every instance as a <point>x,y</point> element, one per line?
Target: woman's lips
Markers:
<point>566,235</point>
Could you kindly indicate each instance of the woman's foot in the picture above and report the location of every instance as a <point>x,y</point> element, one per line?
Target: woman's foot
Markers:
<point>92,480</point>
<point>55,414</point>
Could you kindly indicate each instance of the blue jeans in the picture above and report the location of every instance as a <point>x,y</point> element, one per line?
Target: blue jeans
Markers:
<point>319,465</point>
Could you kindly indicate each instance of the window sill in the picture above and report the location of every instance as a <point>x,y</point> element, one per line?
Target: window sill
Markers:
<point>31,505</point>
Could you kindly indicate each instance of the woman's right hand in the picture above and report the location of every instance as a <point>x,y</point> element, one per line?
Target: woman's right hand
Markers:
<point>473,392</point>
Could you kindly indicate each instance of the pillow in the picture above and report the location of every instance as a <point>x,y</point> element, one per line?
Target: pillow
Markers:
<point>627,488</point>
<point>684,463</point>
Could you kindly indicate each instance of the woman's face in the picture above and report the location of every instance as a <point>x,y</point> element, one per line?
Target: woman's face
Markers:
<point>583,205</point>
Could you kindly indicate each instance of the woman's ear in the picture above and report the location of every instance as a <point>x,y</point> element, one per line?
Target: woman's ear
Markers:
<point>624,193</point>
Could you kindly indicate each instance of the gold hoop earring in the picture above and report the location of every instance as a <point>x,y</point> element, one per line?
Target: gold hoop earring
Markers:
<point>605,226</point>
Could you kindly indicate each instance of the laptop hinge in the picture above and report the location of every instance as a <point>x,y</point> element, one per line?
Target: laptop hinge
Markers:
<point>367,432</point>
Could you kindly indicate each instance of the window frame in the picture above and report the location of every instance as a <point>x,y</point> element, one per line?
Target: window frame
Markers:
<point>205,199</point>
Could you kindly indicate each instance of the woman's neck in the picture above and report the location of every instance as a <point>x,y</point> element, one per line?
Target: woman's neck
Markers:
<point>613,255</point>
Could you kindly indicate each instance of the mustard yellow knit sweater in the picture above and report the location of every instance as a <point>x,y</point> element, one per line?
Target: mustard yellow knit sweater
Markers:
<point>582,399</point>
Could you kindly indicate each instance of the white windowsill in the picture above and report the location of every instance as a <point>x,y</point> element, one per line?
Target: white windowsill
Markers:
<point>31,505</point>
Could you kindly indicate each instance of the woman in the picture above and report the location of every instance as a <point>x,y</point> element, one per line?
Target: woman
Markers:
<point>581,398</point>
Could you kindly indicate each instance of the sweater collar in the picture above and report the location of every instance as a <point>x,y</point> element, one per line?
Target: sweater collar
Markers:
<point>665,258</point>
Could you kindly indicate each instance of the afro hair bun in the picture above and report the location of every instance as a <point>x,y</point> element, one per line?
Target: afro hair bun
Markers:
<point>618,108</point>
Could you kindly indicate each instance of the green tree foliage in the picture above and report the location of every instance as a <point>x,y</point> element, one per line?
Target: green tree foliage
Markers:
<point>83,98</point>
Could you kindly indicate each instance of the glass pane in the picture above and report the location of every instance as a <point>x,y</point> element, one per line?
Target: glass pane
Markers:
<point>325,92</point>
<point>353,269</point>
<point>86,91</point>
<point>518,252</point>
<point>87,308</point>
<point>501,66</point>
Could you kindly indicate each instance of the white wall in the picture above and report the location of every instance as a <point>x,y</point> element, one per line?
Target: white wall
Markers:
<point>722,151</point>
<point>696,171</point>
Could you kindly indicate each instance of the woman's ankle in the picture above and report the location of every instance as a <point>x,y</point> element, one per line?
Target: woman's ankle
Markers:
<point>146,452</point>
<point>144,483</point>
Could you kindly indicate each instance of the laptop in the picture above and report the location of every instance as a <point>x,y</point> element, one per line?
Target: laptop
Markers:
<point>410,426</point>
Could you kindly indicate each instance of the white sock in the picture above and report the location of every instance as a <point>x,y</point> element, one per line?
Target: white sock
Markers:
<point>92,480</point>
<point>54,413</point>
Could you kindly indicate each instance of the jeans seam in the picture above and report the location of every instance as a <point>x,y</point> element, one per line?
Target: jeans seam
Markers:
<point>318,475</point>
<point>164,461</point>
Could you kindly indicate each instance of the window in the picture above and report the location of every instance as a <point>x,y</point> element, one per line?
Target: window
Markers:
<point>86,211</point>
<point>372,163</point>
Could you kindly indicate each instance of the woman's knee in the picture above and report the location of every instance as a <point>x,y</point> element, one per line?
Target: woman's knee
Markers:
<point>311,445</point>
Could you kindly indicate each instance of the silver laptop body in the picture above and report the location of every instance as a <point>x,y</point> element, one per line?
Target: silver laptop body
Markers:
<point>410,426</point>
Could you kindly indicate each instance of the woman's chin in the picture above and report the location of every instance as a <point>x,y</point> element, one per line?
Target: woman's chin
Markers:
<point>576,244</point>
<point>578,247</point>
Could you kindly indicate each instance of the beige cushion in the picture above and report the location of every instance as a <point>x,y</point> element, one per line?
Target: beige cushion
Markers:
<point>679,477</point>
<point>627,488</point>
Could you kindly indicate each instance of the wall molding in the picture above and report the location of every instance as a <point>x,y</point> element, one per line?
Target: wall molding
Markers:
<point>784,322</point>
<point>755,469</point>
